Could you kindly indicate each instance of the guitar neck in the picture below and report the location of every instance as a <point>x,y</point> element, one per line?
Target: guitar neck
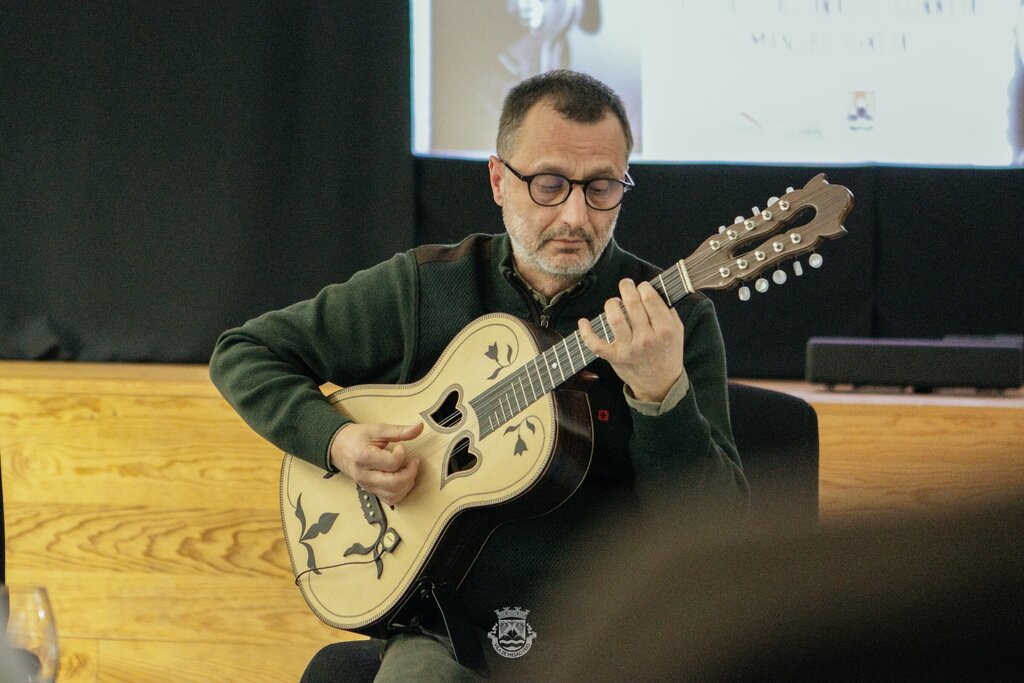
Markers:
<point>507,398</point>
<point>722,261</point>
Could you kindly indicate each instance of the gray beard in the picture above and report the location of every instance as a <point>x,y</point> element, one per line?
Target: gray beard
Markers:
<point>569,272</point>
<point>573,271</point>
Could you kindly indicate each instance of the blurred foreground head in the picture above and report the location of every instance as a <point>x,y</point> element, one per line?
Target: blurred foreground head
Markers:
<point>935,598</point>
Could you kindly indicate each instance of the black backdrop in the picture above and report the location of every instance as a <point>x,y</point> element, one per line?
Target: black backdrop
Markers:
<point>171,172</point>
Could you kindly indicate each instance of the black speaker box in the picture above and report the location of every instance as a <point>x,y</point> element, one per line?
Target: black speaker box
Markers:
<point>924,364</point>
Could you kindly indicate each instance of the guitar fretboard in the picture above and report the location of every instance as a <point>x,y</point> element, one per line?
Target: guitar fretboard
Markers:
<point>501,402</point>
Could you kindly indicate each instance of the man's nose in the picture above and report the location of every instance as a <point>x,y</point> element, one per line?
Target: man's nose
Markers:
<point>574,209</point>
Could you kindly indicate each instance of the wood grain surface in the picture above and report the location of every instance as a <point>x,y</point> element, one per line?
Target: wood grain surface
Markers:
<point>149,510</point>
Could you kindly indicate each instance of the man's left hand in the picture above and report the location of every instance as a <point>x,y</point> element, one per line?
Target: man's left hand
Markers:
<point>647,347</point>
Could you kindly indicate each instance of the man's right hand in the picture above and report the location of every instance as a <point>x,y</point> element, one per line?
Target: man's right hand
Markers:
<point>361,451</point>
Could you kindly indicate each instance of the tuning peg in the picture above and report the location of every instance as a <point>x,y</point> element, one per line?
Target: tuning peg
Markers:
<point>754,211</point>
<point>788,190</point>
<point>779,276</point>
<point>761,285</point>
<point>721,229</point>
<point>815,260</point>
<point>738,219</point>
<point>772,200</point>
<point>798,269</point>
<point>744,293</point>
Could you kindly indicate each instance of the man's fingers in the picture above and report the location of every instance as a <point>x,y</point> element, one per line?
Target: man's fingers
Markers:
<point>361,450</point>
<point>389,433</point>
<point>615,315</point>
<point>590,337</point>
<point>380,454</point>
<point>390,487</point>
<point>645,307</point>
<point>659,313</point>
<point>376,457</point>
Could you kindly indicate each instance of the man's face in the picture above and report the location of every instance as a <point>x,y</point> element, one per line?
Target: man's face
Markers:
<point>558,242</point>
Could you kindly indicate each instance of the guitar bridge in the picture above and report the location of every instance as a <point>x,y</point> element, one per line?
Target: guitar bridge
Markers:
<point>387,538</point>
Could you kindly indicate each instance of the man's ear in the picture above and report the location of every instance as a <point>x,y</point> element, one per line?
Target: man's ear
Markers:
<point>496,173</point>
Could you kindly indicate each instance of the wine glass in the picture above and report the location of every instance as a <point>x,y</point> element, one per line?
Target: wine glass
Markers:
<point>31,631</point>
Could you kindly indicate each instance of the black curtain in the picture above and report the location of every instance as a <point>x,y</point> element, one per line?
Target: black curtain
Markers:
<point>171,171</point>
<point>929,252</point>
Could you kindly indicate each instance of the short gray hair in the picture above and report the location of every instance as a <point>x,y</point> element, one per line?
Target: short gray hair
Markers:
<point>576,96</point>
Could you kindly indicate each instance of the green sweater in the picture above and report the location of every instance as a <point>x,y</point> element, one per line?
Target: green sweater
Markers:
<point>390,323</point>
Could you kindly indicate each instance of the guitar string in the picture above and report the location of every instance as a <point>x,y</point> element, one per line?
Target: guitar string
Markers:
<point>434,444</point>
<point>575,352</point>
<point>489,402</point>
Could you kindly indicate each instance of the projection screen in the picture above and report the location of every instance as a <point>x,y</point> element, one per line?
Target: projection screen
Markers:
<point>915,82</point>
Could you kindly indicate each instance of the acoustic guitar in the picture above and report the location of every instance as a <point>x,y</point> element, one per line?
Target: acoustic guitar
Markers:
<point>507,434</point>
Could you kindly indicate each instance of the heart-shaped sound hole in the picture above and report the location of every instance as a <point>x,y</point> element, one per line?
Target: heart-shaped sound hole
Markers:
<point>460,461</point>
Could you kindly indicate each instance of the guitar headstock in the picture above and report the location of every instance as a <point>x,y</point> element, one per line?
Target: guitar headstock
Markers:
<point>742,251</point>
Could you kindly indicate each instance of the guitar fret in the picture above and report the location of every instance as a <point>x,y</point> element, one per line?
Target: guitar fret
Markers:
<point>532,388</point>
<point>568,358</point>
<point>507,397</point>
<point>664,289</point>
<point>547,365</point>
<point>558,362</point>
<point>513,381</point>
<point>509,392</point>
<point>508,403</point>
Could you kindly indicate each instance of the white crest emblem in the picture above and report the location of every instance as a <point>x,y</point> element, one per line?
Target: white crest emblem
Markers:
<point>512,636</point>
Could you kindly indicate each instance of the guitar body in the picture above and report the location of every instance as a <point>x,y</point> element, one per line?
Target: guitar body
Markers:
<point>359,563</point>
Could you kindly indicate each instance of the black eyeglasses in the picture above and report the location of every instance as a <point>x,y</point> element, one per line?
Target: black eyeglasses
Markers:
<point>552,189</point>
